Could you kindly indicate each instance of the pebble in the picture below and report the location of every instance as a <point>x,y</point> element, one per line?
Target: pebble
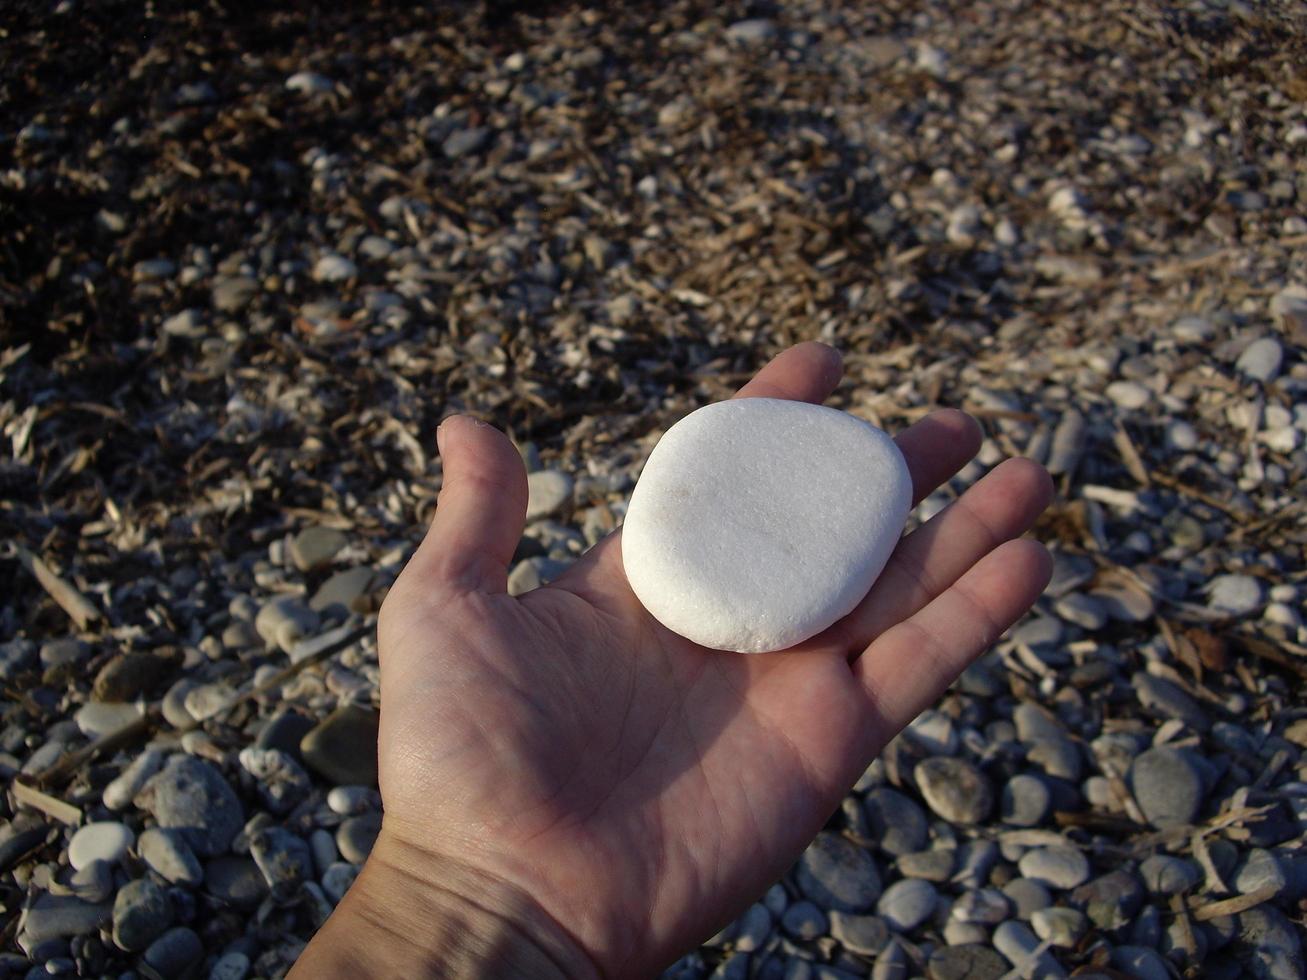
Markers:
<point>356,836</point>
<point>756,30</point>
<point>907,903</point>
<point>955,789</point>
<point>231,295</point>
<point>141,912</point>
<point>127,676</point>
<point>958,933</point>
<point>1111,900</point>
<point>984,906</point>
<point>1056,867</point>
<point>1129,395</point>
<point>68,650</point>
<point>1261,360</point>
<point>934,732</point>
<point>1059,926</point>
<point>282,782</point>
<point>753,928</point>
<point>463,142</point>
<point>350,801</point>
<point>1168,786</point>
<point>804,921</point>
<point>934,865</point>
<point>204,701</point>
<point>1169,699</point>
<point>1273,946</point>
<point>173,953</point>
<point>93,883</point>
<point>897,824</point>
<point>342,748</point>
<point>838,874</point>
<point>1235,595</point>
<point>865,935</point>
<point>1027,897</point>
<point>1015,941</point>
<point>322,844</point>
<point>1193,329</point>
<point>284,732</point>
<point>174,703</point>
<point>968,962</point>
<point>235,881</point>
<point>1165,874</point>
<point>548,492</point>
<point>96,719</point>
<point>230,966</point>
<point>285,620</point>
<point>1262,869</point>
<point>348,590</point>
<point>759,522</point>
<point>1140,962</point>
<point>61,917</point>
<point>106,841</point>
<point>192,796</point>
<point>314,547</point>
<point>166,853</point>
<point>1025,801</point>
<point>283,858</point>
<point>334,268</point>
<point>1083,610</point>
<point>1034,723</point>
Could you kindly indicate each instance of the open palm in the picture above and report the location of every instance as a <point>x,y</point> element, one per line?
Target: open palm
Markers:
<point>639,788</point>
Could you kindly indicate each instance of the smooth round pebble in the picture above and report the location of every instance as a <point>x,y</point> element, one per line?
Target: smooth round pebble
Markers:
<point>759,522</point>
<point>1056,867</point>
<point>955,789</point>
<point>1025,801</point>
<point>838,874</point>
<point>969,962</point>
<point>907,903</point>
<point>106,841</point>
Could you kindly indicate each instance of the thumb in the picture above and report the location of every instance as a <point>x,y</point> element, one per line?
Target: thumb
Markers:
<point>481,509</point>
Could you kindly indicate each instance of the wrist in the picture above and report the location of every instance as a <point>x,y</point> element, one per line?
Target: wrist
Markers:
<point>412,913</point>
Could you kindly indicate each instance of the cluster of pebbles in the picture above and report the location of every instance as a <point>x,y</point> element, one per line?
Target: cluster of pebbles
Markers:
<point>252,258</point>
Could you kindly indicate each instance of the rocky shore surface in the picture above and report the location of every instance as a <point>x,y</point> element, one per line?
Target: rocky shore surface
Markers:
<point>252,257</point>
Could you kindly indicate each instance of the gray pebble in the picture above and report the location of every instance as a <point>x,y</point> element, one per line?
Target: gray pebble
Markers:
<point>141,912</point>
<point>1270,944</point>
<point>315,547</point>
<point>231,295</point>
<point>1035,722</point>
<point>1262,869</point>
<point>172,954</point>
<point>235,881</point>
<point>753,928</point>
<point>1056,867</point>
<point>167,854</point>
<point>1235,595</point>
<point>934,865</point>
<point>1140,962</point>
<point>838,874</point>
<point>955,789</point>
<point>1165,874</point>
<point>190,795</point>
<point>1083,610</point>
<point>337,879</point>
<point>1261,360</point>
<point>230,966</point>
<point>1025,801</point>
<point>1168,786</point>
<point>322,843</point>
<point>1059,926</point>
<point>907,903</point>
<point>1015,941</point>
<point>356,836</point>
<point>1027,897</point>
<point>61,917</point>
<point>897,823</point>
<point>283,858</point>
<point>804,921</point>
<point>282,782</point>
<point>969,962</point>
<point>984,906</point>
<point>548,491</point>
<point>865,935</point>
<point>1111,900</point>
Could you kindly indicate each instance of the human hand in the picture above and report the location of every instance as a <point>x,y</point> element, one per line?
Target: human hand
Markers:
<point>570,787</point>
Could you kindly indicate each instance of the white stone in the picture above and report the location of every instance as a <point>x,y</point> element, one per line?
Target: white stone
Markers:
<point>334,268</point>
<point>759,522</point>
<point>1261,359</point>
<point>107,841</point>
<point>97,719</point>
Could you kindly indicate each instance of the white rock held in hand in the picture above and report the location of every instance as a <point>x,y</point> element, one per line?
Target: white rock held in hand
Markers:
<point>759,522</point>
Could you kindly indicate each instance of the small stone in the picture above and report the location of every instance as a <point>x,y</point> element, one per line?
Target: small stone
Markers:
<point>282,782</point>
<point>838,874</point>
<point>827,496</point>
<point>1261,360</point>
<point>897,824</point>
<point>127,676</point>
<point>804,921</point>
<point>166,853</point>
<point>350,801</point>
<point>1111,900</point>
<point>1015,941</point>
<point>315,547</point>
<point>1236,595</point>
<point>106,841</point>
<point>1169,699</point>
<point>187,323</point>
<point>174,703</point>
<point>462,142</point>
<point>865,935</point>
<point>935,865</point>
<point>1193,329</point>
<point>283,858</point>
<point>97,719</point>
<point>1083,610</point>
<point>284,732</point>
<point>235,881</point>
<point>1035,722</point>
<point>234,294</point>
<point>1262,869</point>
<point>954,789</point>
<point>1027,897</point>
<point>984,906</point>
<point>1059,926</point>
<point>1140,962</point>
<point>344,592</point>
<point>1168,787</point>
<point>334,268</point>
<point>118,795</point>
<point>1025,801</point>
<point>61,917</point>
<point>55,653</point>
<point>343,747</point>
<point>935,733</point>
<point>968,962</point>
<point>309,82</point>
<point>207,700</point>
<point>285,620</point>
<point>1270,944</point>
<point>907,903</point>
<point>753,928</point>
<point>548,492</point>
<point>93,883</point>
<point>141,913</point>
<point>1164,874</point>
<point>756,30</point>
<point>357,835</point>
<point>1129,395</point>
<point>234,965</point>
<point>1056,866</point>
<point>192,796</point>
<point>172,954</point>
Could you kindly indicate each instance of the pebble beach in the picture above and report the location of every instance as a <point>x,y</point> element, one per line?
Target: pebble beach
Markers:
<point>252,258</point>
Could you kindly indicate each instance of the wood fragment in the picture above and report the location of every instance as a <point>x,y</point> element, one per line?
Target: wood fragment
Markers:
<point>1198,846</point>
<point>1233,906</point>
<point>1134,463</point>
<point>1106,823</point>
<point>51,806</point>
<point>70,600</point>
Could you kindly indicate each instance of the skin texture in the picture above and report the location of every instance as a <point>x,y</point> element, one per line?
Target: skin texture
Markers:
<point>564,778</point>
